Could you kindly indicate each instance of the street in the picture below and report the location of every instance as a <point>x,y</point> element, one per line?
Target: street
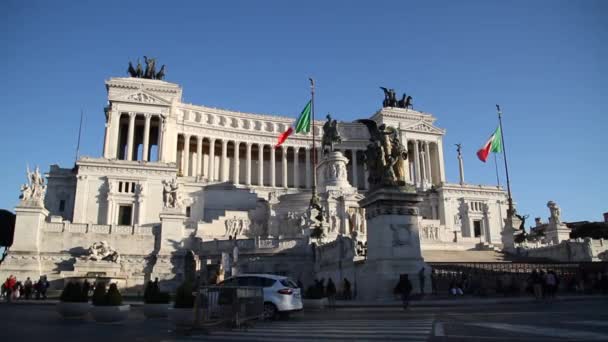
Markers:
<point>559,321</point>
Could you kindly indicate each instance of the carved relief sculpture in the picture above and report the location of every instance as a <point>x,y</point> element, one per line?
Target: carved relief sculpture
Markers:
<point>101,251</point>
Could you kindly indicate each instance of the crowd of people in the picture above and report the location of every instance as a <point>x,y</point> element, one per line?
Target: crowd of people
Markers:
<point>13,289</point>
<point>542,284</point>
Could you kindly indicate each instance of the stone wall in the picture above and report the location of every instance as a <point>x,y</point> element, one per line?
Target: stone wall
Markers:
<point>568,250</point>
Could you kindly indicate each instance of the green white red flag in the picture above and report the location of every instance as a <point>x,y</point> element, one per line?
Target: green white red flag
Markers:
<point>302,125</point>
<point>494,144</point>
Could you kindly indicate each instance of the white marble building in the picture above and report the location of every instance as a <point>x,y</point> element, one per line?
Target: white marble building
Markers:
<point>232,184</point>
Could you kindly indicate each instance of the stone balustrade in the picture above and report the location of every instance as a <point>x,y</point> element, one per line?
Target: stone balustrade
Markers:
<point>89,228</point>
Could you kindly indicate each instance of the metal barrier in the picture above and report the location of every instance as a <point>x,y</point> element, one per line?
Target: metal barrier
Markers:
<point>229,304</point>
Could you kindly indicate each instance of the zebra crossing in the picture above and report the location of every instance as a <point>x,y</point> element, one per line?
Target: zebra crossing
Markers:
<point>326,330</point>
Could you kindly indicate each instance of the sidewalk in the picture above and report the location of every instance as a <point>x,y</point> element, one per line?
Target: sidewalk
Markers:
<point>433,301</point>
<point>429,301</point>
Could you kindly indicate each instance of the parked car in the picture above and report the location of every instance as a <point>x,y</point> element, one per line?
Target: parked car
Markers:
<point>281,294</point>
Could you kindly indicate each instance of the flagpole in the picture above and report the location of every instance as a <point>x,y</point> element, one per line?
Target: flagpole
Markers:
<point>496,166</point>
<point>314,145</point>
<point>79,134</point>
<point>510,211</point>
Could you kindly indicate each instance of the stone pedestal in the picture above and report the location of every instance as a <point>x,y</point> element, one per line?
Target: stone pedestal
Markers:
<point>28,224</point>
<point>169,265</point>
<point>512,223</point>
<point>171,230</point>
<point>393,242</point>
<point>333,173</point>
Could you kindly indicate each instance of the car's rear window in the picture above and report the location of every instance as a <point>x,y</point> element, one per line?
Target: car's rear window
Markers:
<point>289,283</point>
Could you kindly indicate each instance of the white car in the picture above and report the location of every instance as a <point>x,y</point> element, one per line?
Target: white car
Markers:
<point>281,294</point>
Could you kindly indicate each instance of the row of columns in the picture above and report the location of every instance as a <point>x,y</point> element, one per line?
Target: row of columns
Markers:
<point>423,163</point>
<point>146,138</point>
<point>225,172</point>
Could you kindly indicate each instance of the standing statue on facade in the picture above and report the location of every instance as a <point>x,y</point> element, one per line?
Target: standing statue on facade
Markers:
<point>555,212</point>
<point>330,134</point>
<point>170,194</point>
<point>385,155</point>
<point>149,72</point>
<point>35,189</point>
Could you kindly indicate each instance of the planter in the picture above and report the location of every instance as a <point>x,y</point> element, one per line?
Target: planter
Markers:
<point>109,314</point>
<point>156,310</point>
<point>314,304</point>
<point>73,309</point>
<point>181,317</point>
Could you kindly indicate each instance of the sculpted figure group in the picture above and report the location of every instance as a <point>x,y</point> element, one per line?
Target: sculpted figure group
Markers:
<point>385,155</point>
<point>170,194</point>
<point>101,251</point>
<point>149,72</point>
<point>35,189</point>
<point>390,99</point>
<point>331,135</point>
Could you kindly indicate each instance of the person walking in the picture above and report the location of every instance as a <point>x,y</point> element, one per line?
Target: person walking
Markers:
<point>537,284</point>
<point>348,294</point>
<point>330,290</point>
<point>421,279</point>
<point>28,288</point>
<point>551,283</point>
<point>404,288</point>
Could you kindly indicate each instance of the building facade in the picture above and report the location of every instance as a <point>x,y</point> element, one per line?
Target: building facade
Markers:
<point>235,188</point>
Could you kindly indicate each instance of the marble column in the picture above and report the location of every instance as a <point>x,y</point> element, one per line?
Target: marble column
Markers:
<point>236,163</point>
<point>273,177</point>
<point>186,156</point>
<point>440,160</point>
<point>308,173</point>
<point>353,161</point>
<point>248,174</point>
<point>427,150</point>
<point>199,156</point>
<point>146,156</point>
<point>130,136</point>
<point>261,164</point>
<point>284,166</point>
<point>422,164</point>
<point>296,172</point>
<point>211,160</point>
<point>161,137</point>
<point>224,162</point>
<point>417,178</point>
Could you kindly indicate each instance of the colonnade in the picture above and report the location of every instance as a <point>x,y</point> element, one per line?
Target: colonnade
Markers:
<point>137,130</point>
<point>426,164</point>
<point>252,163</point>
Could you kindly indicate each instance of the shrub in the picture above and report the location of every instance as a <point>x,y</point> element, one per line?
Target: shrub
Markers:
<point>103,298</point>
<point>99,295</point>
<point>113,297</point>
<point>183,296</point>
<point>73,293</point>
<point>153,295</point>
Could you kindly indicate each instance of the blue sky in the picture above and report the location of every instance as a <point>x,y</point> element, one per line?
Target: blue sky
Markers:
<point>543,61</point>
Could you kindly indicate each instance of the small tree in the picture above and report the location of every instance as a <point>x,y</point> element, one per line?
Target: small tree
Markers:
<point>153,295</point>
<point>183,296</point>
<point>72,293</point>
<point>99,295</point>
<point>113,297</point>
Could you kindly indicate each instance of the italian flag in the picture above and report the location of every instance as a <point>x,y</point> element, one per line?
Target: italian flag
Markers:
<point>494,144</point>
<point>302,125</point>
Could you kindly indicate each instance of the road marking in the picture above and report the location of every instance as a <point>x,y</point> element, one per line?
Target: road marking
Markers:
<point>336,330</point>
<point>536,330</point>
<point>598,323</point>
<point>438,328</point>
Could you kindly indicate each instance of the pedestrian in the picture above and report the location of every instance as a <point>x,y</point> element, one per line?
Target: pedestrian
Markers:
<point>28,288</point>
<point>330,290</point>
<point>347,291</point>
<point>43,285</point>
<point>537,284</point>
<point>551,283</point>
<point>421,279</point>
<point>404,288</point>
<point>434,282</point>
<point>455,287</point>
